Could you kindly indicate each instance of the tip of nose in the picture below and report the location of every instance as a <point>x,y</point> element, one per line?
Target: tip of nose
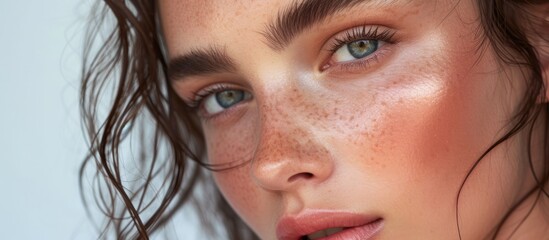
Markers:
<point>303,175</point>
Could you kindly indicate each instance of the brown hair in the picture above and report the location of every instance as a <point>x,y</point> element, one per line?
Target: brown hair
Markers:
<point>126,65</point>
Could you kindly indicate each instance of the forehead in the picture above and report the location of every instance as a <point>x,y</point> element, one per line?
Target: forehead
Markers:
<point>200,11</point>
<point>194,22</point>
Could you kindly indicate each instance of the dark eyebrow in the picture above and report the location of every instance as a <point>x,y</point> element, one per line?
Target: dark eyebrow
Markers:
<point>301,15</point>
<point>200,62</point>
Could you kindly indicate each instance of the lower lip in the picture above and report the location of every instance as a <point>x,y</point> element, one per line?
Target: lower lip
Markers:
<point>364,232</point>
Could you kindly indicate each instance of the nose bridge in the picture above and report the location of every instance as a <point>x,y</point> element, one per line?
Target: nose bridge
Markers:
<point>288,150</point>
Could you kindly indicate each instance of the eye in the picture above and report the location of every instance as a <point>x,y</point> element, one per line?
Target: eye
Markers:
<point>355,50</point>
<point>220,101</point>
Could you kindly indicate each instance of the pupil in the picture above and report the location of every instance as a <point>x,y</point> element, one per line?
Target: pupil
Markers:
<point>228,98</point>
<point>362,48</point>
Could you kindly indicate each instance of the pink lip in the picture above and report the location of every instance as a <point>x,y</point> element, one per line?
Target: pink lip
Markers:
<point>356,226</point>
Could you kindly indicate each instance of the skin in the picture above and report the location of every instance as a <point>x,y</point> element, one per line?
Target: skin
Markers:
<point>393,138</point>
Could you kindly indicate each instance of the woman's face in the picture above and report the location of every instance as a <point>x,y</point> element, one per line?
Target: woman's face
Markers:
<point>357,114</point>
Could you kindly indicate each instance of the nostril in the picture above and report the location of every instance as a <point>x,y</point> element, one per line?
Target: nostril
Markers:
<point>304,175</point>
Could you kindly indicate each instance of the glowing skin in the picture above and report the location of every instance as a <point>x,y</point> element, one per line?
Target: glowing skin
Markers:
<point>393,138</point>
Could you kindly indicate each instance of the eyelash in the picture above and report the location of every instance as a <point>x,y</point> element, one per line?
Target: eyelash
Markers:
<point>359,33</point>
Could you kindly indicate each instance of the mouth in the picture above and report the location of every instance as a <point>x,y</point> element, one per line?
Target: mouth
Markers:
<point>328,225</point>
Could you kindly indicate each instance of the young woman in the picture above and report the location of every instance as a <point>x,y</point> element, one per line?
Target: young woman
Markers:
<point>324,119</point>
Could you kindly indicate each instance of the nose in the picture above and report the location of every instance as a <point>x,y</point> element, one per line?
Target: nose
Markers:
<point>289,155</point>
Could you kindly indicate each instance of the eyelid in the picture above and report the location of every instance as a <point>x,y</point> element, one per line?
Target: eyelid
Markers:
<point>365,31</point>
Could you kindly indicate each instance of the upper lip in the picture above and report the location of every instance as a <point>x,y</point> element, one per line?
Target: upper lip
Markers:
<point>293,227</point>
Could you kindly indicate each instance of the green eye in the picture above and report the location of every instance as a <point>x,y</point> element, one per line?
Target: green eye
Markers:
<point>228,98</point>
<point>356,50</point>
<point>362,48</point>
<point>222,100</point>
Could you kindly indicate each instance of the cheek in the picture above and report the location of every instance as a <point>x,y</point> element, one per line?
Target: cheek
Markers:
<point>242,196</point>
<point>428,137</point>
<point>234,149</point>
<point>420,133</point>
<point>251,203</point>
<point>416,118</point>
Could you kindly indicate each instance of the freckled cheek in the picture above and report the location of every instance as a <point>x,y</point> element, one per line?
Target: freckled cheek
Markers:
<point>230,147</point>
<point>238,189</point>
<point>423,126</point>
<point>427,137</point>
<point>233,142</point>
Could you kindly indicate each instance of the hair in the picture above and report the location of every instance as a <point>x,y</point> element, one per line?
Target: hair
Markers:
<point>125,72</point>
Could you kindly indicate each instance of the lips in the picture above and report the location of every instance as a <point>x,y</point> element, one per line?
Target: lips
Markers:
<point>350,226</point>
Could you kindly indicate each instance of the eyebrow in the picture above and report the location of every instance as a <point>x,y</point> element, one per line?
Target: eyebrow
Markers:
<point>201,62</point>
<point>300,16</point>
<point>290,22</point>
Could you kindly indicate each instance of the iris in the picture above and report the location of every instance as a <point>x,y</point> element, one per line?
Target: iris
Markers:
<point>362,48</point>
<point>228,98</point>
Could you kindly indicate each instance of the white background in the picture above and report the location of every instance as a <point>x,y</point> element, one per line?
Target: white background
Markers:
<point>41,142</point>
